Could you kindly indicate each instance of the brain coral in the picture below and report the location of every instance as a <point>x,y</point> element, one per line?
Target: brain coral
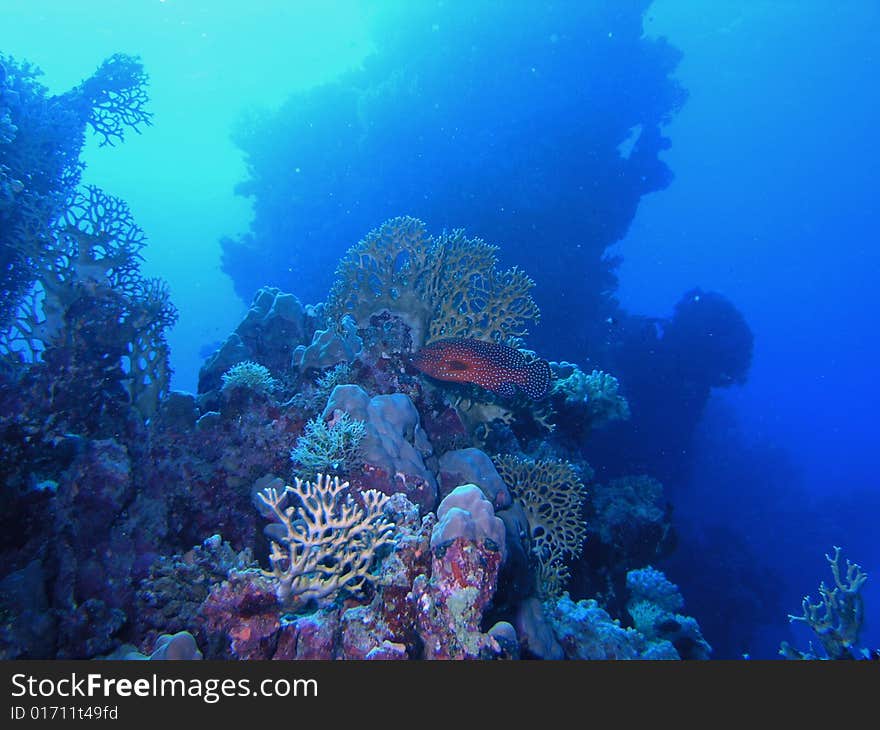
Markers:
<point>443,287</point>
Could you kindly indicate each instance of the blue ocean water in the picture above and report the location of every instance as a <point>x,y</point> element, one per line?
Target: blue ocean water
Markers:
<point>728,146</point>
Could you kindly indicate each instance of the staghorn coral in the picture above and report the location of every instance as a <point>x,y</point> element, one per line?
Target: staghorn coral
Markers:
<point>552,494</point>
<point>333,447</point>
<point>444,287</point>
<point>328,542</point>
<point>838,616</point>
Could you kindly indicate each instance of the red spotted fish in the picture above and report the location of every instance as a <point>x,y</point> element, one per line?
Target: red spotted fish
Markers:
<point>495,367</point>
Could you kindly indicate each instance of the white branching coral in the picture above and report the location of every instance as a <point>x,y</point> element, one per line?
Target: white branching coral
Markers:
<point>327,541</point>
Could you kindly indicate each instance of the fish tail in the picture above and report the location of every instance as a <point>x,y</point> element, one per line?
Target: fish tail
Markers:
<point>537,381</point>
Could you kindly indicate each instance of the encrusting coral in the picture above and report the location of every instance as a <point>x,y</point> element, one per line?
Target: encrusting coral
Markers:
<point>251,376</point>
<point>328,542</point>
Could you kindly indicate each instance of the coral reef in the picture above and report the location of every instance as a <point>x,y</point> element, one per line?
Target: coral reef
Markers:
<point>444,287</point>
<point>585,631</point>
<point>411,543</point>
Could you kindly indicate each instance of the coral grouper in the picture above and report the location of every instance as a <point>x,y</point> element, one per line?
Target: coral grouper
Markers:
<point>491,366</point>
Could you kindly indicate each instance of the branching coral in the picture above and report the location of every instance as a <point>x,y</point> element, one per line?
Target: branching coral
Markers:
<point>654,605</point>
<point>249,375</point>
<point>444,287</point>
<point>116,98</point>
<point>40,141</point>
<point>328,542</point>
<point>552,495</point>
<point>837,617</point>
<point>598,392</point>
<point>91,313</point>
<point>333,446</point>
<point>72,292</point>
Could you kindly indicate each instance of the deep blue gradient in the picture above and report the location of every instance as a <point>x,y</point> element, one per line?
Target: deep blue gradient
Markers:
<point>775,205</point>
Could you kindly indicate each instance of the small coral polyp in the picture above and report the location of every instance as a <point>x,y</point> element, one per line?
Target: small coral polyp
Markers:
<point>442,287</point>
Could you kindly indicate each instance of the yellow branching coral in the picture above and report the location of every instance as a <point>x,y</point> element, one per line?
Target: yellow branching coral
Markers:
<point>443,287</point>
<point>552,495</point>
<point>328,542</point>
